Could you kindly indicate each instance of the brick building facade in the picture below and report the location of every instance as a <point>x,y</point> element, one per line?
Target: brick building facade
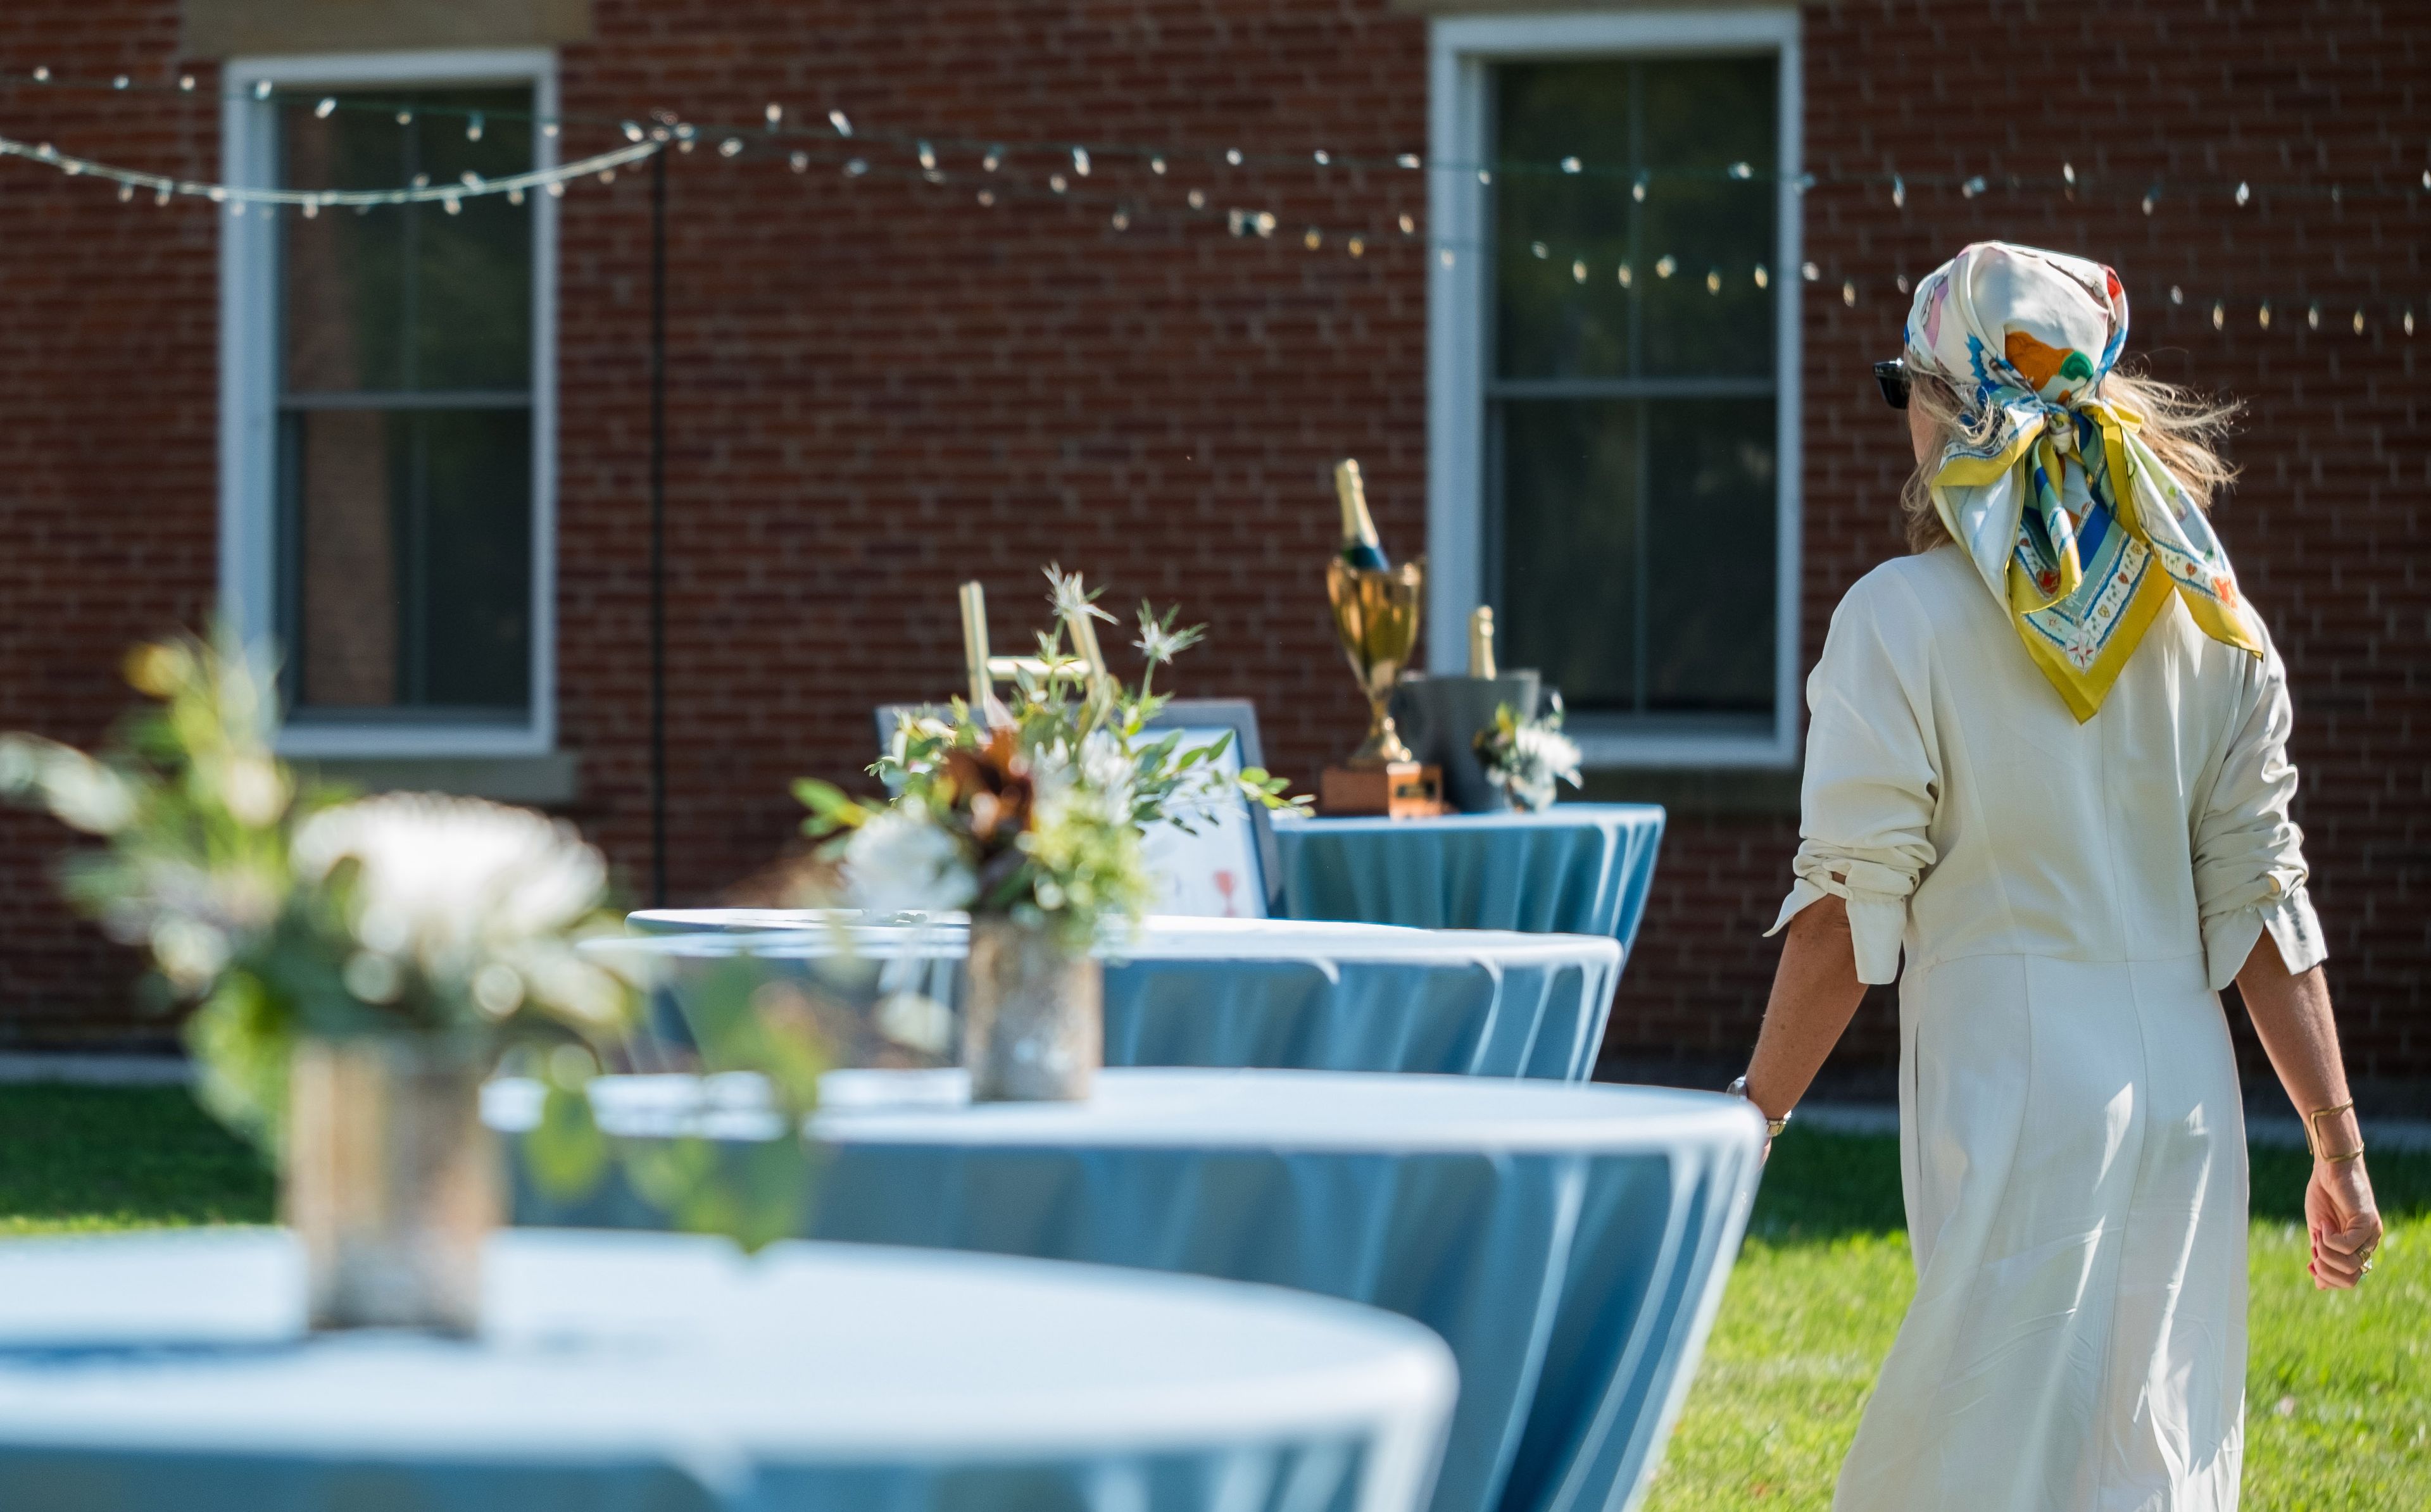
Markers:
<point>878,387</point>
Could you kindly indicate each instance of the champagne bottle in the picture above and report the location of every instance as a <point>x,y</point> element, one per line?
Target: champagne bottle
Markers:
<point>1481,643</point>
<point>1360,546</point>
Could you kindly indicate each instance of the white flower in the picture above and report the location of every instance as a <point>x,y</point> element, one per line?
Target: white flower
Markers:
<point>454,883</point>
<point>1545,751</point>
<point>898,862</point>
<point>78,791</point>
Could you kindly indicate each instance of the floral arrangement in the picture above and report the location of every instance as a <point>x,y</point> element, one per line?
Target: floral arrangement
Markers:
<point>1522,758</point>
<point>286,910</point>
<point>1036,811</point>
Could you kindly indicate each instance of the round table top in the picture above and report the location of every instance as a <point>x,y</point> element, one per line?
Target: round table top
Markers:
<point>1560,815</point>
<point>793,932</point>
<point>1144,1106</point>
<point>626,1344</point>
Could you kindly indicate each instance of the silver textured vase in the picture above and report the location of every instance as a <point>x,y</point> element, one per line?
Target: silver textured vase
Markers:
<point>390,1182</point>
<point>1033,1017</point>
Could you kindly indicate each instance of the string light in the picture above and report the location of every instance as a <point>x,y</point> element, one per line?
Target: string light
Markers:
<point>838,120</point>
<point>1156,166</point>
<point>604,164</point>
<point>927,156</point>
<point>1321,157</point>
<point>473,128</point>
<point>2244,194</point>
<point>1624,275</point>
<point>1081,161</point>
<point>775,114</point>
<point>1571,165</point>
<point>322,111</point>
<point>1899,193</point>
<point>1233,156</point>
<point>1664,267</point>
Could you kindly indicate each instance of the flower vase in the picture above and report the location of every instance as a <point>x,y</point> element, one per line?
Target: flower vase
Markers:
<point>390,1182</point>
<point>1033,1016</point>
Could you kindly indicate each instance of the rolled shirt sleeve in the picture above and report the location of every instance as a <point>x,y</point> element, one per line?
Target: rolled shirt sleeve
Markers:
<point>1873,773</point>
<point>2249,855</point>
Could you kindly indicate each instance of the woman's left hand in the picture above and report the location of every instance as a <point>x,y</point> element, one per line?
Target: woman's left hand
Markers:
<point>2345,1223</point>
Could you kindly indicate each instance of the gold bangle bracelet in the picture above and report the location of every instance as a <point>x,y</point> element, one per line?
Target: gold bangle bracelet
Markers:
<point>2355,1154</point>
<point>2313,1130</point>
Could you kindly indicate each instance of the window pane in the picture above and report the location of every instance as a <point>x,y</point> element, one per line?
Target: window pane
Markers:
<point>408,558</point>
<point>1570,546</point>
<point>1702,116</point>
<point>1550,323</point>
<point>1711,554</point>
<point>405,297</point>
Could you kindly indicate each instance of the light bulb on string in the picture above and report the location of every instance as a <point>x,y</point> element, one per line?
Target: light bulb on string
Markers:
<point>557,188</point>
<point>1902,282</point>
<point>2067,172</point>
<point>927,156</point>
<point>1809,272</point>
<point>422,181</point>
<point>606,175</point>
<point>994,159</point>
<point>2409,320</point>
<point>1081,161</point>
<point>773,114</point>
<point>1625,275</point>
<point>1486,176</point>
<point>260,87</point>
<point>125,192</point>
<point>1313,239</point>
<point>1899,193</point>
<point>469,179</point>
<point>1848,294</point>
<point>1058,183</point>
<point>2152,197</point>
<point>1409,226</point>
<point>321,111</point>
<point>2262,316</point>
<point>1571,165</point>
<point>405,118</point>
<point>987,196</point>
<point>2218,314</point>
<point>1233,156</point>
<point>1197,199</point>
<point>1321,157</point>
<point>800,162</point>
<point>120,82</point>
<point>2358,322</point>
<point>1540,250</point>
<point>1123,220</point>
<point>1713,281</point>
<point>42,73</point>
<point>1411,159</point>
<point>455,205</point>
<point>1971,187</point>
<point>1637,189</point>
<point>1358,246</point>
<point>473,127</point>
<point>1742,170</point>
<point>1664,267</point>
<point>2243,192</point>
<point>2313,316</point>
<point>1265,223</point>
<point>186,82</point>
<point>1156,166</point>
<point>1763,277</point>
<point>1448,258</point>
<point>730,146</point>
<point>548,130</point>
<point>514,196</point>
<point>843,124</point>
<point>855,167</point>
<point>1579,272</point>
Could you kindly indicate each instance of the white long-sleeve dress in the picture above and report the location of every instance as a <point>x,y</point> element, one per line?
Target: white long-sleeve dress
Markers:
<point>2070,899</point>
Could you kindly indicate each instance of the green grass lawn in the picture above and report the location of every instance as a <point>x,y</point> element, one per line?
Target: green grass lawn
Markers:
<point>2337,1384</point>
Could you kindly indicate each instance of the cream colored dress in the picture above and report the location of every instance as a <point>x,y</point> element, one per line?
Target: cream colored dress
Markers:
<point>2068,898</point>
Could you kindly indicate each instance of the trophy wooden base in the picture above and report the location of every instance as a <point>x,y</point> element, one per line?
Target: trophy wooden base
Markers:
<point>1399,789</point>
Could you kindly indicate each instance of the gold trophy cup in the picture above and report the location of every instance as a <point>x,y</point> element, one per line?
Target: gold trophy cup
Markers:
<point>1376,616</point>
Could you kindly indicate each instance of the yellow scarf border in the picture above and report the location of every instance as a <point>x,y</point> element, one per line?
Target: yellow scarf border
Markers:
<point>2214,604</point>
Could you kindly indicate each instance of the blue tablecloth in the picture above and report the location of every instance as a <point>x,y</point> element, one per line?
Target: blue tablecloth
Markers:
<point>652,1374</point>
<point>1276,994</point>
<point>1576,868</point>
<point>1569,1243</point>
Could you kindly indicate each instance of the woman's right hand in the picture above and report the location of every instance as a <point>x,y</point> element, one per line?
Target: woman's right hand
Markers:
<point>2345,1221</point>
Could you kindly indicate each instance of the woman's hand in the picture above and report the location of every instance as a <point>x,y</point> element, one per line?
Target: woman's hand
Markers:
<point>2345,1223</point>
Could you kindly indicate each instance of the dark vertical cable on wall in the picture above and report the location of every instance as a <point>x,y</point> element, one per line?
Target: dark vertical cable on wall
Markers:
<point>659,530</point>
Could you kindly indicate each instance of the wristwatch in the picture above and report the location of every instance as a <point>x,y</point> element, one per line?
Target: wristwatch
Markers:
<point>1772,1128</point>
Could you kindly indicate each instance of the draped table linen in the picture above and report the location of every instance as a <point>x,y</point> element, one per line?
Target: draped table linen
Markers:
<point>655,1373</point>
<point>1569,1243</point>
<point>1575,869</point>
<point>1275,993</point>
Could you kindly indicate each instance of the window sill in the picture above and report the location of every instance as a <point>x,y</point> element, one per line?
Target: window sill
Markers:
<point>548,781</point>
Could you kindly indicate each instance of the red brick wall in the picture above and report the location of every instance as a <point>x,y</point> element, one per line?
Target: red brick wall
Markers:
<point>878,388</point>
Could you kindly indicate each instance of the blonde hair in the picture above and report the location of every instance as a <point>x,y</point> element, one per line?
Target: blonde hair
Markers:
<point>2183,426</point>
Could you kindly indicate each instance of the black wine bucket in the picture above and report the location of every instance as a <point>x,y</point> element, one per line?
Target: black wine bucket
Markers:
<point>1439,718</point>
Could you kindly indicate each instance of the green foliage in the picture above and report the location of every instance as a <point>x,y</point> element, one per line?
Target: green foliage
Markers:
<point>1035,810</point>
<point>2337,1384</point>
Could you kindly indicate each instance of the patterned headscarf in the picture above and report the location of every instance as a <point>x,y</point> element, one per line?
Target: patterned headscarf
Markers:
<point>2077,527</point>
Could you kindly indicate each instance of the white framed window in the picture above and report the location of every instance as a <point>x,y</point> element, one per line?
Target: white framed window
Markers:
<point>388,403</point>
<point>1613,370</point>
